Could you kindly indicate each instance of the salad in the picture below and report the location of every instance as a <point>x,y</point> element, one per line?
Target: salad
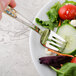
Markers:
<point>63,17</point>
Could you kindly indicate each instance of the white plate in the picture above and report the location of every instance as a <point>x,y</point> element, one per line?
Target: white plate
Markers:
<point>36,49</point>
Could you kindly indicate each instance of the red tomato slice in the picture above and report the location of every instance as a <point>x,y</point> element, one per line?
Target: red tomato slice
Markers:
<point>67,12</point>
<point>73,60</point>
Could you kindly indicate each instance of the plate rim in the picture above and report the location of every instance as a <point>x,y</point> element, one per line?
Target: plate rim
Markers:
<point>33,60</point>
<point>30,36</point>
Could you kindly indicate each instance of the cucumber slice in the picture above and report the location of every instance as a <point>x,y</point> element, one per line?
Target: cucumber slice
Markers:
<point>68,32</point>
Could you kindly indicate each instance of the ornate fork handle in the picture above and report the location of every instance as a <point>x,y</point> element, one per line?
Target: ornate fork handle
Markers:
<point>14,14</point>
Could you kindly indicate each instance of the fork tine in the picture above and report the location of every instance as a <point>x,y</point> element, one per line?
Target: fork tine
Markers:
<point>50,46</point>
<point>55,44</point>
<point>57,36</point>
<point>56,41</point>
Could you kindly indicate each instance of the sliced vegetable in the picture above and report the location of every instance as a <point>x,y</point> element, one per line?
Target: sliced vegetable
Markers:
<point>60,53</point>
<point>67,12</point>
<point>73,60</point>
<point>68,32</point>
<point>59,23</point>
<point>54,61</point>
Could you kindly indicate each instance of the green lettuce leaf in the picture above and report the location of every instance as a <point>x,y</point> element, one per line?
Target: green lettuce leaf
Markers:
<point>65,22</point>
<point>69,2</point>
<point>53,12</point>
<point>53,17</point>
<point>68,69</point>
<point>47,24</point>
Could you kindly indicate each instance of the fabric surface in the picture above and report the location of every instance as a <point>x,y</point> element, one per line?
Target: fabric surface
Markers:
<point>15,59</point>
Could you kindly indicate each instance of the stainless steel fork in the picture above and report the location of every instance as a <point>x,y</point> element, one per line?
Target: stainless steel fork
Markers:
<point>49,39</point>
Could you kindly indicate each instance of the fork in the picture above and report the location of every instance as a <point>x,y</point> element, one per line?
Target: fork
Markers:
<point>49,38</point>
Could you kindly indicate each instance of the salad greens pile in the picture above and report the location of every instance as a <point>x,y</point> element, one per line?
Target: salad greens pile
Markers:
<point>68,69</point>
<point>53,16</point>
<point>62,16</point>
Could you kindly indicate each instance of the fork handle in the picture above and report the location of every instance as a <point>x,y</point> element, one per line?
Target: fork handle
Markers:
<point>14,14</point>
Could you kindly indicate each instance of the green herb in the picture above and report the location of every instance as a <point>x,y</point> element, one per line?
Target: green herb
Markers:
<point>53,12</point>
<point>68,69</point>
<point>46,24</point>
<point>53,17</point>
<point>65,22</point>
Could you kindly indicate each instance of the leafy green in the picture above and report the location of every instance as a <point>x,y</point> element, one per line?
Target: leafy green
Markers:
<point>69,2</point>
<point>53,17</point>
<point>65,22</point>
<point>46,24</point>
<point>68,69</point>
<point>53,12</point>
